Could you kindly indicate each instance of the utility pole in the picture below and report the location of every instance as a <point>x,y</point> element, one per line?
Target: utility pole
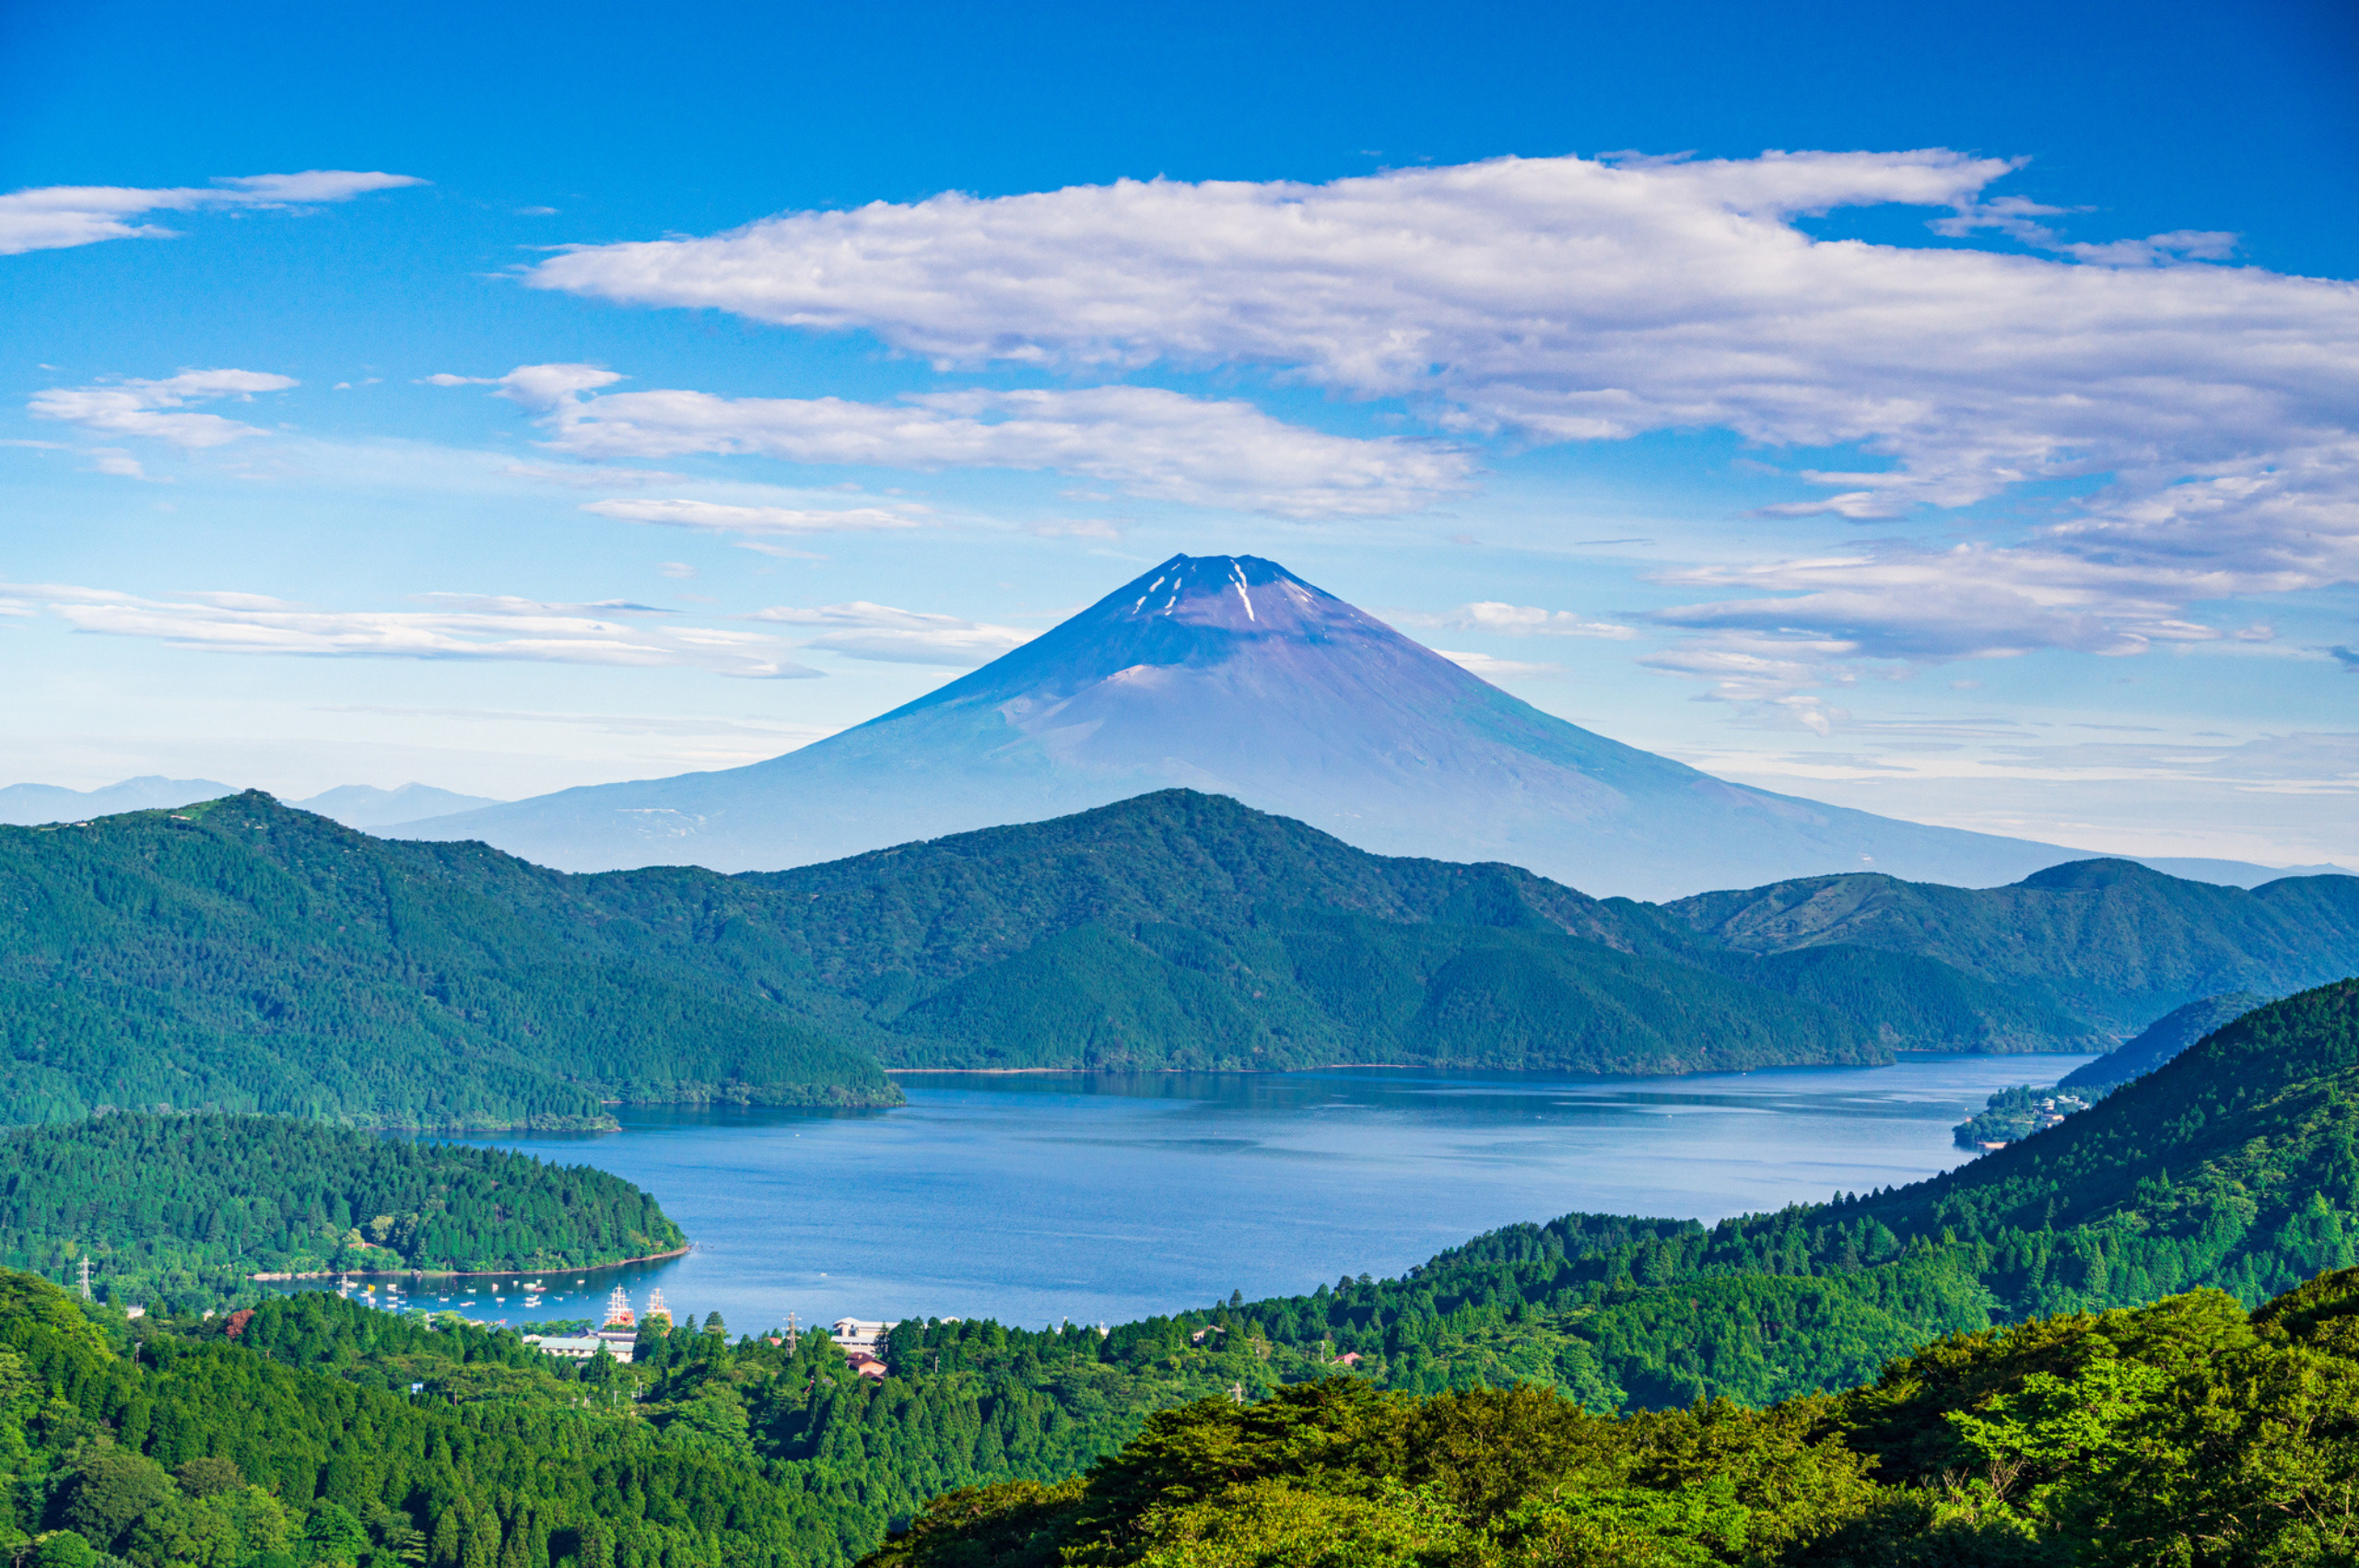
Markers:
<point>85,1276</point>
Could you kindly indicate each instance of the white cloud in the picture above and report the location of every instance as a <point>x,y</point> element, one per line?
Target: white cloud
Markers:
<point>713,517</point>
<point>537,387</point>
<point>1568,300</point>
<point>154,408</point>
<point>862,630</point>
<point>57,216</point>
<point>114,461</point>
<point>1512,620</point>
<point>459,626</point>
<point>1076,528</point>
<point>589,477</point>
<point>1492,668</point>
<point>1151,442</point>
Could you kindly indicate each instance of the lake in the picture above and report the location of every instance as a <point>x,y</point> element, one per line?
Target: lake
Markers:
<point>1037,1198</point>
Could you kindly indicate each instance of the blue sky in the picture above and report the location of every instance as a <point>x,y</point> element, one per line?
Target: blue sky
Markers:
<point>1984,458</point>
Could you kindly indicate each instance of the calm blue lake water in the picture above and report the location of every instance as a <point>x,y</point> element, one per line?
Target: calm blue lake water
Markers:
<point>1037,1197</point>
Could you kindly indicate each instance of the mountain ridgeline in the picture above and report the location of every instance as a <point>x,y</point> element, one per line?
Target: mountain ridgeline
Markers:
<point>242,955</point>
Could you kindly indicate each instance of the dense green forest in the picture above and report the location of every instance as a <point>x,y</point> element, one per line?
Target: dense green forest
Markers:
<point>2186,1432</point>
<point>2232,1166</point>
<point>2161,1040</point>
<point>315,1432</point>
<point>2109,940</point>
<point>241,956</point>
<point>184,1209</point>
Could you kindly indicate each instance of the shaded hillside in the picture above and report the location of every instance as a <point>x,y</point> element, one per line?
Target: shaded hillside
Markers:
<point>2243,1129</point>
<point>169,1208</point>
<point>243,956</point>
<point>2161,1040</point>
<point>1180,928</point>
<point>2109,940</point>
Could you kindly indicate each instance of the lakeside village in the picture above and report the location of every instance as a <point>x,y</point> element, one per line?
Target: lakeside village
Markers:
<point>618,1336</point>
<point>859,1339</point>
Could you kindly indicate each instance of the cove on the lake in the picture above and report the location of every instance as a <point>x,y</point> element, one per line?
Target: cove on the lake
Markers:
<point>1037,1198</point>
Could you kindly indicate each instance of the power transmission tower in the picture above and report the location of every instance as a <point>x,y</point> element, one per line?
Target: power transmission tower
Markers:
<point>85,1276</point>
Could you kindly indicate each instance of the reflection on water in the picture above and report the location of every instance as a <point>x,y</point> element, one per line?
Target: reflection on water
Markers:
<point>1036,1197</point>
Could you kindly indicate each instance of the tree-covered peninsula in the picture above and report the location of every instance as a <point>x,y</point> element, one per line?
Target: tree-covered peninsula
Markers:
<point>186,1209</point>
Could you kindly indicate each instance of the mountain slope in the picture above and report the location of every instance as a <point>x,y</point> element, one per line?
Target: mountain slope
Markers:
<point>2109,940</point>
<point>1230,674</point>
<point>1180,928</point>
<point>243,956</point>
<point>2161,1040</point>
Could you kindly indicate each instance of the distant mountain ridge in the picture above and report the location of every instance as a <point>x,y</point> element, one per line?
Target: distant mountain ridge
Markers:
<point>25,804</point>
<point>355,805</point>
<point>1231,675</point>
<point>2110,941</point>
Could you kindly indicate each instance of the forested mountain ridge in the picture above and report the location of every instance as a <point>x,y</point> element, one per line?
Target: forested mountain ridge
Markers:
<point>241,955</point>
<point>2262,1113</point>
<point>184,1209</point>
<point>244,955</point>
<point>2110,941</point>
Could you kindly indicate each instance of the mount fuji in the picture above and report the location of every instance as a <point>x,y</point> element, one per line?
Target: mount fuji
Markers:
<point>1231,675</point>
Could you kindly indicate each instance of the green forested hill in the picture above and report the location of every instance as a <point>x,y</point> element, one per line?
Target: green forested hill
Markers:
<point>2187,1432</point>
<point>241,955</point>
<point>2109,940</point>
<point>167,1208</point>
<point>1180,928</point>
<point>291,1437</point>
<point>776,1453</point>
<point>2252,1129</point>
<point>2161,1040</point>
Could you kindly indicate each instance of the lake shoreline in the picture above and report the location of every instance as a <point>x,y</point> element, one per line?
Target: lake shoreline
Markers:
<point>273,1279</point>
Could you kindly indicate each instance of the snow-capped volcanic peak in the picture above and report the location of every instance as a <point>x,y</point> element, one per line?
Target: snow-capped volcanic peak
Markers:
<point>1202,613</point>
<point>1229,674</point>
<point>1240,592</point>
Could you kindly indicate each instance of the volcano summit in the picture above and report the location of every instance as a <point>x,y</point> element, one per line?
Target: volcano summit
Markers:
<point>1230,674</point>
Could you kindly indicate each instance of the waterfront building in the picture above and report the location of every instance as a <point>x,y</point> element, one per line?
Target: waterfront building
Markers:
<point>859,1334</point>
